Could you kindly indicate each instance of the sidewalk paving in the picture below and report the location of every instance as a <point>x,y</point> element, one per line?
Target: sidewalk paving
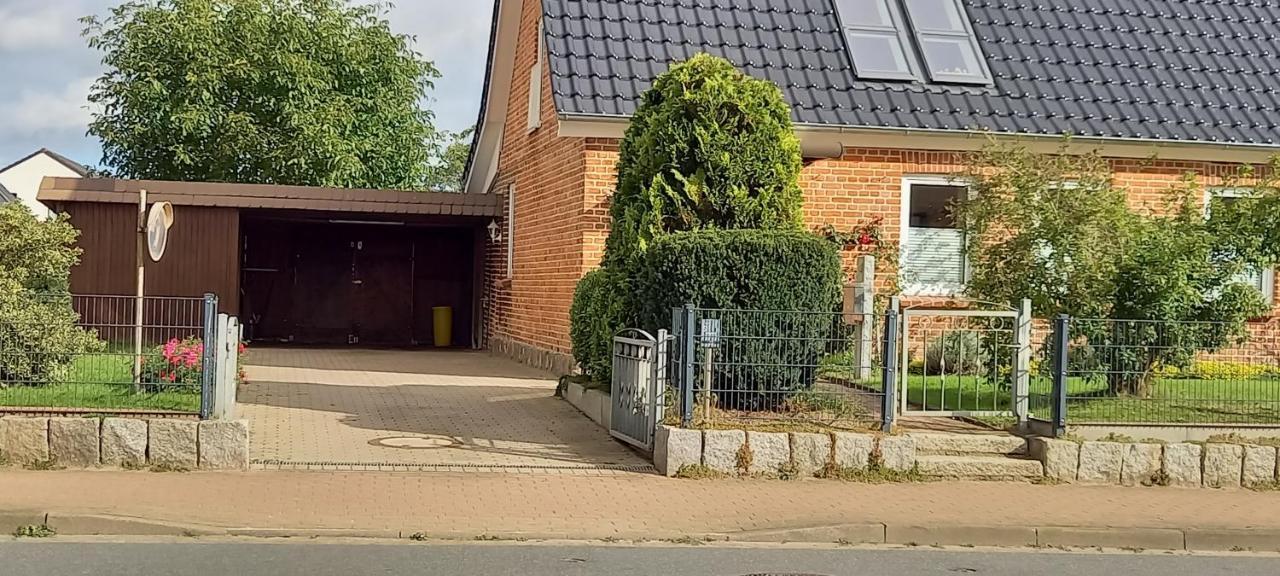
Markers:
<point>632,506</point>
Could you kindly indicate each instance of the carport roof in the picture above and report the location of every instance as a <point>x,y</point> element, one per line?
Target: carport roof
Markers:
<point>269,196</point>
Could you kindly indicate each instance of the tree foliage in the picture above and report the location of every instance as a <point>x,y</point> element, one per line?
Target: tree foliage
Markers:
<point>449,163</point>
<point>708,147</point>
<point>1055,228</point>
<point>308,92</point>
<point>38,332</point>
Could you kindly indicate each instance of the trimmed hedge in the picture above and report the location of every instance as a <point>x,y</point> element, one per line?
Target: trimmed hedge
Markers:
<point>768,284</point>
<point>599,311</point>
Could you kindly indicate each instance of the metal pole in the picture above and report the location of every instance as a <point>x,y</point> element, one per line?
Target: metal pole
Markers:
<point>209,361</point>
<point>686,366</point>
<point>707,352</point>
<point>889,375</point>
<point>140,291</point>
<point>1061,335</point>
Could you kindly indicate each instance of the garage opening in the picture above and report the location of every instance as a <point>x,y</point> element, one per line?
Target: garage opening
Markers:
<point>339,280</point>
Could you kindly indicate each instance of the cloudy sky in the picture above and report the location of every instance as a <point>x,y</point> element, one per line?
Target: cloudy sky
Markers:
<point>46,68</point>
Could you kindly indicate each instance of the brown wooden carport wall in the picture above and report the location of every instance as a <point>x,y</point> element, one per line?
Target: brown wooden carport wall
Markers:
<point>203,253</point>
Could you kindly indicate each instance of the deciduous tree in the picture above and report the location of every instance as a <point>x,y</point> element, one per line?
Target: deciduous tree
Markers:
<point>309,92</point>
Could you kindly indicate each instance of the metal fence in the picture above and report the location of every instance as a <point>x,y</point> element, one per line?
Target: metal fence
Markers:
<point>1107,371</point>
<point>755,367</point>
<point>90,354</point>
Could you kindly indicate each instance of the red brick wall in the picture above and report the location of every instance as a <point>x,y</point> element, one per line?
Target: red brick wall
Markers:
<point>527,315</point>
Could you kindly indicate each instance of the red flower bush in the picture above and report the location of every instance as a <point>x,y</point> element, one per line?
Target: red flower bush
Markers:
<point>178,365</point>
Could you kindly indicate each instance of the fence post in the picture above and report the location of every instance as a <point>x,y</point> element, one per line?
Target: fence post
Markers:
<point>686,366</point>
<point>209,361</point>
<point>1022,363</point>
<point>1061,337</point>
<point>889,373</point>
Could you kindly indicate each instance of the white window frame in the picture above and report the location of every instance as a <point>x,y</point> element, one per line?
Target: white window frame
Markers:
<point>511,231</point>
<point>909,286</point>
<point>1268,287</point>
<point>535,87</point>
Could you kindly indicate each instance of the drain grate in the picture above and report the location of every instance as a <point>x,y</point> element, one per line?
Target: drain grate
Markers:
<point>403,467</point>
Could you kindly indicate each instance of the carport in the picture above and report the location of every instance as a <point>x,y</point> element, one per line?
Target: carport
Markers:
<point>303,265</point>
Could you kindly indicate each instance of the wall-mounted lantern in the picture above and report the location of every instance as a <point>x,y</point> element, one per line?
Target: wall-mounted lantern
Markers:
<point>495,231</point>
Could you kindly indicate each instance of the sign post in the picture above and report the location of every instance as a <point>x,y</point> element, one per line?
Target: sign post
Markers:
<point>153,237</point>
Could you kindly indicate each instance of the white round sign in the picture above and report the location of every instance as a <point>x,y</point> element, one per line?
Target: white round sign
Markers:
<point>159,219</point>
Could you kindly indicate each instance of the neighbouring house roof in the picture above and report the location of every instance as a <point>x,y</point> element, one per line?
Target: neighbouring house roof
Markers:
<point>6,195</point>
<point>1146,73</point>
<point>211,194</point>
<point>76,167</point>
<point>1179,70</point>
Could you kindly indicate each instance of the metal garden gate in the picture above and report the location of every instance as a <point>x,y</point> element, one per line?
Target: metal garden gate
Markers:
<point>639,368</point>
<point>964,362</point>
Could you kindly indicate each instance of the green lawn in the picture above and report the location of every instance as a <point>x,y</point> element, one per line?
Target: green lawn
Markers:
<point>101,381</point>
<point>1173,400</point>
<point>1189,400</point>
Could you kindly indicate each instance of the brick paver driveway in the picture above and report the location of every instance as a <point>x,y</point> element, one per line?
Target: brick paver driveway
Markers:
<point>449,410</point>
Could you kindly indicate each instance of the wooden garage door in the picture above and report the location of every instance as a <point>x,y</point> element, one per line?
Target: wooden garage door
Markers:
<point>355,284</point>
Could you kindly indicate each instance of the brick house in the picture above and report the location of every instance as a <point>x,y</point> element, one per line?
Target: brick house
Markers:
<point>885,95</point>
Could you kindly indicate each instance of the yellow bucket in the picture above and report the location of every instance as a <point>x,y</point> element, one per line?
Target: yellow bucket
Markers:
<point>442,326</point>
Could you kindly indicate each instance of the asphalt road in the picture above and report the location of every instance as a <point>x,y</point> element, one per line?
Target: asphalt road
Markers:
<point>279,558</point>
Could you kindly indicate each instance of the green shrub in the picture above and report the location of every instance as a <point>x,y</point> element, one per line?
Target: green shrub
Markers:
<point>774,292</point>
<point>708,147</point>
<point>38,332</point>
<point>597,313</point>
<point>956,352</point>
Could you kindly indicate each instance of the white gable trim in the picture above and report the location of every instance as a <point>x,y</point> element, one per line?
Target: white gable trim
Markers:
<point>493,114</point>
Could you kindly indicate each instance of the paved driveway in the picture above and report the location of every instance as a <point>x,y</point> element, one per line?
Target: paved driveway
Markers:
<point>397,409</point>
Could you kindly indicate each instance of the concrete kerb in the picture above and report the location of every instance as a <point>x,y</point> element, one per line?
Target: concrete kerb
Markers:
<point>1137,538</point>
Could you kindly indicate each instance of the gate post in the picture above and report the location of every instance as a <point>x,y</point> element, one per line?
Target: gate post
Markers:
<point>1022,363</point>
<point>1061,337</point>
<point>209,358</point>
<point>889,373</point>
<point>658,387</point>
<point>860,308</point>
<point>686,366</point>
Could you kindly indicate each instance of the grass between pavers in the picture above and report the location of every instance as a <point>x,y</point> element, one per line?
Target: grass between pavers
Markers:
<point>102,381</point>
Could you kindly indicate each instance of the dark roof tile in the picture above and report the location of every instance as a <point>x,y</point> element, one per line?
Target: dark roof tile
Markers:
<point>1190,70</point>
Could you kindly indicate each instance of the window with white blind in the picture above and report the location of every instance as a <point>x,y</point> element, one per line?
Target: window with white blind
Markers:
<point>933,247</point>
<point>876,36</point>
<point>1263,280</point>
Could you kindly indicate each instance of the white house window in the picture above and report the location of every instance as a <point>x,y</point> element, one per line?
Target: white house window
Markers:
<point>1263,280</point>
<point>875,33</point>
<point>933,260</point>
<point>947,42</point>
